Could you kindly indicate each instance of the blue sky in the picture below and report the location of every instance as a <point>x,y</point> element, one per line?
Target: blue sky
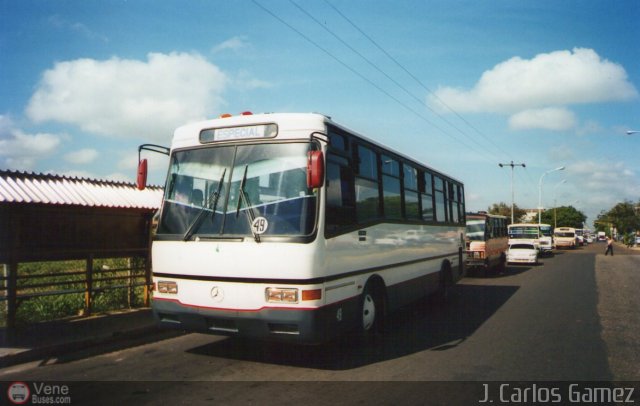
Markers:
<point>458,85</point>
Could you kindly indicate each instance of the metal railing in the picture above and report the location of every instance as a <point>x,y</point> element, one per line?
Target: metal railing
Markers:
<point>19,286</point>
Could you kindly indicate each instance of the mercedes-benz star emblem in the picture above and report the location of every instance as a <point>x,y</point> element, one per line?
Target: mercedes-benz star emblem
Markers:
<point>217,294</point>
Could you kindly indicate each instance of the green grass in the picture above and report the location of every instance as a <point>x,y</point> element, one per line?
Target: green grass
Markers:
<point>48,277</point>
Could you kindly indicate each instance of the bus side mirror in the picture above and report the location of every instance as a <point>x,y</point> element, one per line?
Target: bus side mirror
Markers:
<point>141,180</point>
<point>315,169</point>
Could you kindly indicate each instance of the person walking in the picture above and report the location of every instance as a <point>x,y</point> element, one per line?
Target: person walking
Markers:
<point>609,247</point>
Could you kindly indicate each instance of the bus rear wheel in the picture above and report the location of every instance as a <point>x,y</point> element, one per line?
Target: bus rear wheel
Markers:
<point>446,281</point>
<point>371,312</point>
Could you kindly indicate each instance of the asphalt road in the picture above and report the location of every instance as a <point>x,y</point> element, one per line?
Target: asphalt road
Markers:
<point>573,318</point>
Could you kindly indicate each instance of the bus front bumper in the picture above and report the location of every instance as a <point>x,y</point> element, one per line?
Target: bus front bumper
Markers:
<point>307,326</point>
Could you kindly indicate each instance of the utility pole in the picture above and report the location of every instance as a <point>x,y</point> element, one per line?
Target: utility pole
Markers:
<point>512,165</point>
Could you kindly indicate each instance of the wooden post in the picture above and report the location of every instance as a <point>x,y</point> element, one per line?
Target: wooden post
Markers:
<point>12,295</point>
<point>88,293</point>
<point>131,262</point>
<point>147,279</point>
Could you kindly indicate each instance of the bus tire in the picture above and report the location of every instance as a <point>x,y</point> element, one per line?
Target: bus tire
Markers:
<point>371,312</point>
<point>446,281</point>
<point>502,265</point>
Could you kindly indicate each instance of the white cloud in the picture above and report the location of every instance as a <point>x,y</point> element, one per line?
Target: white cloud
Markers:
<point>21,151</point>
<point>610,182</point>
<point>82,156</point>
<point>60,23</point>
<point>129,98</point>
<point>561,153</point>
<point>232,44</point>
<point>550,80</point>
<point>550,118</point>
<point>245,81</point>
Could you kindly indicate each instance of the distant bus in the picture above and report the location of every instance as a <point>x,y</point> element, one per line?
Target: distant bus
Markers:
<point>546,239</point>
<point>486,241</point>
<point>565,237</point>
<point>291,227</point>
<point>534,233</point>
<point>579,236</point>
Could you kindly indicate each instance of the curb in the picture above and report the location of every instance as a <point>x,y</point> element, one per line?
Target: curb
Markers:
<point>54,350</point>
<point>99,336</point>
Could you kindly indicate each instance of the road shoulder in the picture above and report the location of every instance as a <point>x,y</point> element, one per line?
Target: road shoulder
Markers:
<point>618,279</point>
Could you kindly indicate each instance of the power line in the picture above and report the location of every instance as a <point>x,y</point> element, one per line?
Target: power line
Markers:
<point>363,77</point>
<point>394,60</point>
<point>354,71</point>
<point>376,67</point>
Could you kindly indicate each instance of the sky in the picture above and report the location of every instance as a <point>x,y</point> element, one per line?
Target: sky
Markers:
<point>460,86</point>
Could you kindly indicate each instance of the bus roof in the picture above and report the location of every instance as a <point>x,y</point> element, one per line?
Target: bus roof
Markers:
<point>484,214</point>
<point>290,125</point>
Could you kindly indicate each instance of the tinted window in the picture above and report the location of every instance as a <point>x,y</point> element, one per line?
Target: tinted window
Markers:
<point>367,200</point>
<point>390,166</point>
<point>391,193</point>
<point>367,166</point>
<point>410,177</point>
<point>340,199</point>
<point>441,211</point>
<point>337,141</point>
<point>411,205</point>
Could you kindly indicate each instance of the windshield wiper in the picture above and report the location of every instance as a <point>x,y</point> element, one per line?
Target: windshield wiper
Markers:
<point>215,195</point>
<point>249,212</point>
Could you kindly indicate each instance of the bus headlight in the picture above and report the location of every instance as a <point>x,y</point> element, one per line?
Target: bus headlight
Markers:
<point>280,295</point>
<point>168,287</point>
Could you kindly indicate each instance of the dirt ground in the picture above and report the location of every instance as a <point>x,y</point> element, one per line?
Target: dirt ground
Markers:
<point>618,280</point>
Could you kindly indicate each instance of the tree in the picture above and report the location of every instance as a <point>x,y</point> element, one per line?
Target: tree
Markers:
<point>623,216</point>
<point>564,216</point>
<point>504,209</point>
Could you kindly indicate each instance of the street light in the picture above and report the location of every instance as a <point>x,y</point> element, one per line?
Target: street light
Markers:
<point>629,132</point>
<point>561,168</point>
<point>512,195</point>
<point>555,205</point>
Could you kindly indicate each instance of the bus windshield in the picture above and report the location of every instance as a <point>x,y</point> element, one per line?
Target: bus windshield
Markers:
<point>221,191</point>
<point>475,230</point>
<point>545,230</point>
<point>523,232</point>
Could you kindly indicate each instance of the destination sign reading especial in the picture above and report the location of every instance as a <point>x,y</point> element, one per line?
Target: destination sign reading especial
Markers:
<point>238,133</point>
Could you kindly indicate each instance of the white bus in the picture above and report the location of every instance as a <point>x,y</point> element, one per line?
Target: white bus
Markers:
<point>565,237</point>
<point>291,227</point>
<point>546,239</point>
<point>534,233</point>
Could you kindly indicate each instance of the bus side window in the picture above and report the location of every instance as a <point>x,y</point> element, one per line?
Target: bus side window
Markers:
<point>391,191</point>
<point>340,200</point>
<point>367,185</point>
<point>410,185</point>
<point>427,196</point>
<point>441,211</point>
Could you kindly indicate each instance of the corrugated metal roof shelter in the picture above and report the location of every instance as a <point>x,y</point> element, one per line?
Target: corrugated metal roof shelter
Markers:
<point>49,217</point>
<point>22,187</point>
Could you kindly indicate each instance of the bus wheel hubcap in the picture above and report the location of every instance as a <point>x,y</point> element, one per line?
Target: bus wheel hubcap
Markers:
<point>368,312</point>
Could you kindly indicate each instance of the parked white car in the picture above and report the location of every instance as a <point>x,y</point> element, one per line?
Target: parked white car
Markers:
<point>522,253</point>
